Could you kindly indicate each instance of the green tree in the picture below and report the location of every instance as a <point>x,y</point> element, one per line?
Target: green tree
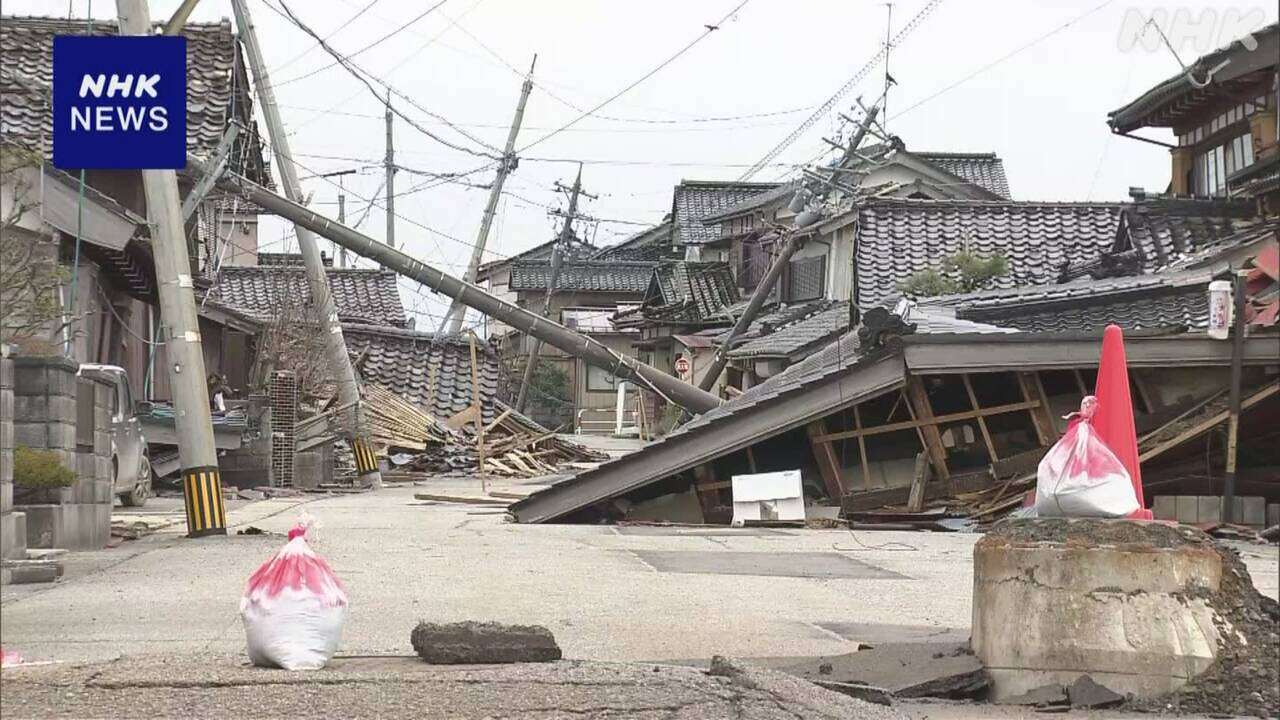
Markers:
<point>961,272</point>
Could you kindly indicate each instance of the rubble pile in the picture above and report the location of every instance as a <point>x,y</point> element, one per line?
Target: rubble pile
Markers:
<point>511,445</point>
<point>1245,678</point>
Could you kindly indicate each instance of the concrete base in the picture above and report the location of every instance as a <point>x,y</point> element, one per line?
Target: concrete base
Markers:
<point>1126,612</point>
<point>74,526</point>
<point>13,536</point>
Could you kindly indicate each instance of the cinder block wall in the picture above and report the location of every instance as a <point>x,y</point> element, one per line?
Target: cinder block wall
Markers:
<point>45,417</point>
<point>13,526</point>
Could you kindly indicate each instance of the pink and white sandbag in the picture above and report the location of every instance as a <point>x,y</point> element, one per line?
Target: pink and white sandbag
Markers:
<point>1080,476</point>
<point>294,607</point>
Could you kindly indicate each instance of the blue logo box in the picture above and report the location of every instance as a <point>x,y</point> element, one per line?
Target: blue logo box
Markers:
<point>120,102</point>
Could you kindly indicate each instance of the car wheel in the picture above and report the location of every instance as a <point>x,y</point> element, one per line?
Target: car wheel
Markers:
<point>142,489</point>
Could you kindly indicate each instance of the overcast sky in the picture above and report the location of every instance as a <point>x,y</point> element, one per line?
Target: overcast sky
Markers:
<point>1043,110</point>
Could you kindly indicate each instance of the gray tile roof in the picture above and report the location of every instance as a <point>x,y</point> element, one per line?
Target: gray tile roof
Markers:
<point>585,276</point>
<point>1144,302</point>
<point>426,369</point>
<point>690,291</point>
<point>694,200</point>
<point>900,237</point>
<point>215,75</point>
<point>820,323</point>
<point>1161,236</point>
<point>650,244</point>
<point>982,169</point>
<point>363,296</point>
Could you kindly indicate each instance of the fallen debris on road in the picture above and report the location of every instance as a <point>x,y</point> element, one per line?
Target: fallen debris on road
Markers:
<point>473,643</point>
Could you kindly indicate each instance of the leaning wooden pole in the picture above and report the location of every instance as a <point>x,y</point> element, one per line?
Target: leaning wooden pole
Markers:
<point>1233,418</point>
<point>452,323</point>
<point>553,333</point>
<point>335,345</point>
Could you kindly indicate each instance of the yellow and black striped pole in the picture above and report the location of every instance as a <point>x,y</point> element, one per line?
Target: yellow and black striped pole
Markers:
<point>203,492</point>
<point>366,461</point>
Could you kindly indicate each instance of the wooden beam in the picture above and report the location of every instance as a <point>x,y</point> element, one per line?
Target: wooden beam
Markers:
<point>915,500</point>
<point>475,402</point>
<point>862,447</point>
<point>707,487</point>
<point>919,400</point>
<point>751,460</point>
<point>1033,390</point>
<point>933,421</point>
<point>828,465</point>
<point>1203,426</point>
<point>982,423</point>
<point>1143,391</point>
<point>1084,391</point>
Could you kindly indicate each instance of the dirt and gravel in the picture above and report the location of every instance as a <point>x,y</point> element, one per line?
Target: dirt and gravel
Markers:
<point>1245,678</point>
<point>1091,532</point>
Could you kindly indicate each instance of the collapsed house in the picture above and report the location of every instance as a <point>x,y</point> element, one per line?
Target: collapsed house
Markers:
<point>911,411</point>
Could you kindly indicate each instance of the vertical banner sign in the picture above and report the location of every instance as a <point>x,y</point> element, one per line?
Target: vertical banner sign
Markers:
<point>119,103</point>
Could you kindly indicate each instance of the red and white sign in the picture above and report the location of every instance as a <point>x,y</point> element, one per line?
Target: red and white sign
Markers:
<point>682,366</point>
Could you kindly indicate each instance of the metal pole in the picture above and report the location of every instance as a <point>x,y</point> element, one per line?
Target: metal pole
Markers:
<point>180,328</point>
<point>557,260</point>
<point>545,329</point>
<point>390,165</point>
<point>452,322</point>
<point>341,371</point>
<point>1233,420</point>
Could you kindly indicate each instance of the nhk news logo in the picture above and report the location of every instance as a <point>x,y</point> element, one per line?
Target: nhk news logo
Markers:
<point>119,102</point>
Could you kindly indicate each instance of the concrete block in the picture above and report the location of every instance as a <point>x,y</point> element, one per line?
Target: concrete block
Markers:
<point>1130,615</point>
<point>6,403</point>
<point>102,492</point>
<point>102,468</point>
<point>6,465</point>
<point>1273,514</point>
<point>32,435</point>
<point>85,465</point>
<point>44,525</point>
<point>23,572</point>
<point>72,526</point>
<point>7,440</point>
<point>1209,509</point>
<point>102,443</point>
<point>6,497</point>
<point>13,535</point>
<point>1164,507</point>
<point>1253,511</point>
<point>82,491</point>
<point>472,643</point>
<point>6,373</point>
<point>29,380</point>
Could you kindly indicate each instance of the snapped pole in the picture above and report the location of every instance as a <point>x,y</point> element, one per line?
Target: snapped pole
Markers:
<point>553,333</point>
<point>180,329</point>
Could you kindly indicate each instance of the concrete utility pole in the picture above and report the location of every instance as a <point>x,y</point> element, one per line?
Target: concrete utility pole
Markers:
<point>553,333</point>
<point>180,328</point>
<point>452,322</point>
<point>390,164</point>
<point>793,244</point>
<point>335,345</point>
<point>557,259</point>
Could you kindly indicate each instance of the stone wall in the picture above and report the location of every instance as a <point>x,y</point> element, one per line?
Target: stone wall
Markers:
<point>46,416</point>
<point>13,525</point>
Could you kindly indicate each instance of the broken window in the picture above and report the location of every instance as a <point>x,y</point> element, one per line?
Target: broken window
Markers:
<point>806,278</point>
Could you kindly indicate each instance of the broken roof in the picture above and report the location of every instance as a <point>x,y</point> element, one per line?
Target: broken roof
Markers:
<point>812,325</point>
<point>844,373</point>
<point>900,237</point>
<point>217,86</point>
<point>585,276</point>
<point>694,200</point>
<point>686,292</point>
<point>1177,101</point>
<point>650,244</point>
<point>360,295</point>
<point>433,371</point>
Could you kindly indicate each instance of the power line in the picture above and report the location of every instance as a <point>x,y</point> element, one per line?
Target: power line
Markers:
<point>360,73</point>
<point>342,26</point>
<point>709,29</point>
<point>1006,56</point>
<point>844,90</point>
<point>350,55</point>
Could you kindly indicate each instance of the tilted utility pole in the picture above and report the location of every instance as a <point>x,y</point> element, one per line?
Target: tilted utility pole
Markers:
<point>549,331</point>
<point>180,329</point>
<point>452,322</point>
<point>804,218</point>
<point>557,259</point>
<point>335,345</point>
<point>390,164</point>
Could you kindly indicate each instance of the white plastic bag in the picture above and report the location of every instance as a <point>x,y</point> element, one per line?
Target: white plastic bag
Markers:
<point>1081,477</point>
<point>294,607</point>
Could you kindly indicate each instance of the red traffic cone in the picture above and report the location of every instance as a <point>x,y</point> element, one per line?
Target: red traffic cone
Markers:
<point>1113,421</point>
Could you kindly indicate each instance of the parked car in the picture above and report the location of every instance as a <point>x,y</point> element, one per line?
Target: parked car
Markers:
<point>130,464</point>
